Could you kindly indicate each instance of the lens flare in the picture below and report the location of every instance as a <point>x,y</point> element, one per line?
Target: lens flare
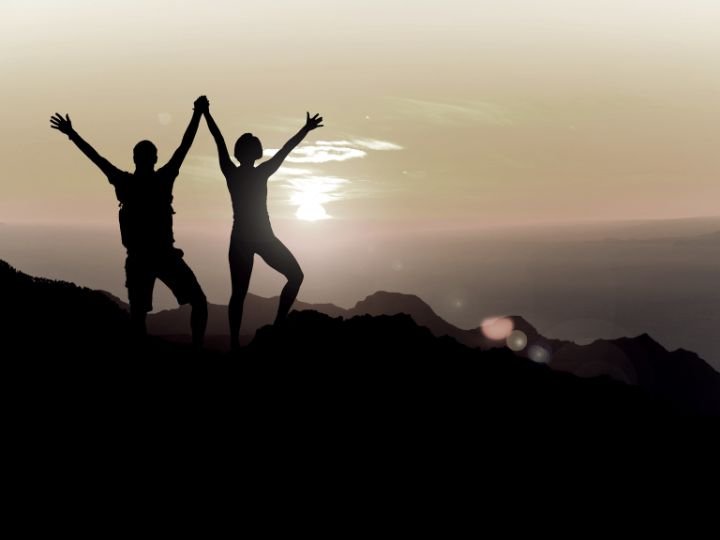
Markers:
<point>517,340</point>
<point>539,354</point>
<point>497,328</point>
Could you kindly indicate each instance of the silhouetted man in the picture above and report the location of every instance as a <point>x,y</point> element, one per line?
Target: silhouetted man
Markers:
<point>146,224</point>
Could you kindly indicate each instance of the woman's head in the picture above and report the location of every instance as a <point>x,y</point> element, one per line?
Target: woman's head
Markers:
<point>248,148</point>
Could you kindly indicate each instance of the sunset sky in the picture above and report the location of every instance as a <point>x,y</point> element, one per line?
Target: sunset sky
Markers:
<point>483,111</point>
<point>444,121</point>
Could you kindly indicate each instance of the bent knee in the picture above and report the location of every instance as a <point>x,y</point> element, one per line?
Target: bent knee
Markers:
<point>296,278</point>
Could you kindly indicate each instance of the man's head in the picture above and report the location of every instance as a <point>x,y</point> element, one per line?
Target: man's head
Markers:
<point>145,155</point>
<point>248,148</point>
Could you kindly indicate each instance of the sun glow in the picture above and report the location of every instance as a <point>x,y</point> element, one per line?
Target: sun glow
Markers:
<point>308,188</point>
<point>310,199</point>
<point>311,193</point>
<point>311,212</point>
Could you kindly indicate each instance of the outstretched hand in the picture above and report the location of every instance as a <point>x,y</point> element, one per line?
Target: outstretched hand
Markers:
<point>202,104</point>
<point>64,125</point>
<point>314,122</point>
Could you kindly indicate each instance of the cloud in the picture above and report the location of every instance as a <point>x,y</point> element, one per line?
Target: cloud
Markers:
<point>320,189</point>
<point>283,173</point>
<point>310,194</point>
<point>481,112</point>
<point>305,186</point>
<point>318,153</point>
<point>341,150</point>
<point>368,144</point>
<point>373,144</point>
<point>331,187</point>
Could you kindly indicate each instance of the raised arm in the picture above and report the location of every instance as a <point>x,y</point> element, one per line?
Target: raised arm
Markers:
<point>201,105</point>
<point>273,164</point>
<point>64,125</point>
<point>226,164</point>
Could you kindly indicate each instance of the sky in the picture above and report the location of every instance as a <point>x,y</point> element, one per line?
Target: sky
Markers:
<point>445,117</point>
<point>483,111</point>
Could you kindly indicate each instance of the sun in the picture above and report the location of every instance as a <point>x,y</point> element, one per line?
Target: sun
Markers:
<point>311,212</point>
<point>310,198</point>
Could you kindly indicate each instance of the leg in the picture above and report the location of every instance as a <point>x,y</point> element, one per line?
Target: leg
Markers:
<point>137,321</point>
<point>179,278</point>
<point>241,264</point>
<point>198,320</point>
<point>278,257</point>
<point>140,281</point>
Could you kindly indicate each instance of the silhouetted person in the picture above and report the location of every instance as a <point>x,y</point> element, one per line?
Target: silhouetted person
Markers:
<point>146,218</point>
<point>251,231</point>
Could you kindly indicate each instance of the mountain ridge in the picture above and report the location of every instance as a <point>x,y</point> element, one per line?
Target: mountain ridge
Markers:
<point>680,375</point>
<point>638,360</point>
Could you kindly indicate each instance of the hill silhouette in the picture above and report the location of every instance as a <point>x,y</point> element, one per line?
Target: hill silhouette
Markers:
<point>381,362</point>
<point>679,375</point>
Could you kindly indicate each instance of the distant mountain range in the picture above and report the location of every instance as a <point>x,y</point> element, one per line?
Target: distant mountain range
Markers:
<point>680,375</point>
<point>71,354</point>
<point>260,311</point>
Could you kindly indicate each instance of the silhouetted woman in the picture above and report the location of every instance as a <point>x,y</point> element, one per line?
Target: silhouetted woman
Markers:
<point>251,231</point>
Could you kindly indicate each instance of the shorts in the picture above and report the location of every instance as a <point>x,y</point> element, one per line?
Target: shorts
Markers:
<point>141,271</point>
